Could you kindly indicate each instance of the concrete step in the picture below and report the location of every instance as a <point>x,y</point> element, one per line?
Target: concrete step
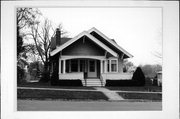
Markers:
<point>92,82</point>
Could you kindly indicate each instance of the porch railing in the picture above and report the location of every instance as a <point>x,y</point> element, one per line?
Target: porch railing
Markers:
<point>72,76</point>
<point>102,81</point>
<point>117,76</point>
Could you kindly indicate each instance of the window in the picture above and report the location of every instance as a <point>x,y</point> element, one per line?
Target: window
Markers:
<point>82,63</point>
<point>113,65</point>
<point>74,65</point>
<point>108,66</point>
<point>67,66</point>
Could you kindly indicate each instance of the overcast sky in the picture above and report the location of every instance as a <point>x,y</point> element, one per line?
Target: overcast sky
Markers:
<point>137,30</point>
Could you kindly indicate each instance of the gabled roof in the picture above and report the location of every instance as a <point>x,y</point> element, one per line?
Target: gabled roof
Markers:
<point>53,42</point>
<point>110,41</point>
<point>84,33</point>
<point>64,40</point>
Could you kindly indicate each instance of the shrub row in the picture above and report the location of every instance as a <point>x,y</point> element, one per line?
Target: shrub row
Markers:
<point>62,82</point>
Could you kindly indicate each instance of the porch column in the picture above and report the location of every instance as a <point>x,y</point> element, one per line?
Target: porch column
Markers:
<point>109,65</point>
<point>64,66</point>
<point>105,66</point>
<point>101,66</point>
<point>59,66</point>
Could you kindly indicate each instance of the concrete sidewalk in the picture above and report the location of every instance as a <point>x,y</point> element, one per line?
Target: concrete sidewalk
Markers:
<point>112,95</point>
<point>102,88</point>
<point>55,89</point>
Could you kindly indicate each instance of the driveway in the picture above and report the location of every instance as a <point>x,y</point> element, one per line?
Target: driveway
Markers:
<point>58,105</point>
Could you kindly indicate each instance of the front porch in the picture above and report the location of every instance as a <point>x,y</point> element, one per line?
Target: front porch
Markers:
<point>91,70</point>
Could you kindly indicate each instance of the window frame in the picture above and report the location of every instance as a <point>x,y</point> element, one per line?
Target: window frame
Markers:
<point>110,64</point>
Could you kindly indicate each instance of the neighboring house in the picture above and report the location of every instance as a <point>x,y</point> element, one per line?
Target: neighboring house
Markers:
<point>90,56</point>
<point>159,78</point>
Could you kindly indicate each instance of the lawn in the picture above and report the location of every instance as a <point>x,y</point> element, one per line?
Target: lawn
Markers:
<point>48,85</point>
<point>63,95</point>
<point>141,88</point>
<point>143,96</point>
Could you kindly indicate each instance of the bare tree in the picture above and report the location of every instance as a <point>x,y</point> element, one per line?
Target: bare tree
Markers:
<point>26,16</point>
<point>41,33</point>
<point>35,27</point>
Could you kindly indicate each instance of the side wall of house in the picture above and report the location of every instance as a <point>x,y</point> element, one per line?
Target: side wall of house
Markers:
<point>120,65</point>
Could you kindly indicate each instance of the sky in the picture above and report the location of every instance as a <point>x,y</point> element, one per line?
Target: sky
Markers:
<point>137,30</point>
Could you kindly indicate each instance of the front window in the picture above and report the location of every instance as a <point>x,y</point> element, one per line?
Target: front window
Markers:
<point>113,65</point>
<point>67,66</point>
<point>108,66</point>
<point>74,65</point>
<point>82,63</point>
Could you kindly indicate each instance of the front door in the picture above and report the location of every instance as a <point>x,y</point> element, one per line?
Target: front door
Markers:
<point>92,68</point>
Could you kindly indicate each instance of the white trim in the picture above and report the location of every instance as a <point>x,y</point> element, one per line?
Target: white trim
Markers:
<point>110,68</point>
<point>117,76</point>
<point>64,66</point>
<point>72,76</point>
<point>110,65</point>
<point>110,41</point>
<point>101,65</point>
<point>105,66</point>
<point>66,57</point>
<point>59,65</point>
<point>60,48</point>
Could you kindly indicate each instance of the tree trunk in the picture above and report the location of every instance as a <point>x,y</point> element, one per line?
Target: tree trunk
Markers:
<point>46,73</point>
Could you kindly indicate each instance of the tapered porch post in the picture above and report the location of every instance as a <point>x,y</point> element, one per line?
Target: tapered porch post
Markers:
<point>59,66</point>
<point>101,66</point>
<point>109,65</point>
<point>64,66</point>
<point>105,66</point>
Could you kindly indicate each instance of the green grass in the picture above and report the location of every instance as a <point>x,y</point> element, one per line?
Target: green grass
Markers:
<point>64,95</point>
<point>47,85</point>
<point>144,96</point>
<point>143,88</point>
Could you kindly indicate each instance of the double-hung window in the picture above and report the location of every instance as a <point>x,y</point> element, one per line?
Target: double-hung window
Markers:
<point>113,65</point>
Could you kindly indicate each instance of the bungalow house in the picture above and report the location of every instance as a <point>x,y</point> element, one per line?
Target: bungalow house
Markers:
<point>90,57</point>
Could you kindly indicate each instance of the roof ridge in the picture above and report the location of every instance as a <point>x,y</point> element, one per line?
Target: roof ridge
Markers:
<point>109,40</point>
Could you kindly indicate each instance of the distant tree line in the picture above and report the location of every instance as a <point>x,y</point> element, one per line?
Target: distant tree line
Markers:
<point>149,70</point>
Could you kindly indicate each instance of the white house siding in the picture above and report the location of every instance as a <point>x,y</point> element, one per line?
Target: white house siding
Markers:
<point>120,65</point>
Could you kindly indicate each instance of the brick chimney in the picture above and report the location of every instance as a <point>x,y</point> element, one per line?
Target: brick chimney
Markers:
<point>58,37</point>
